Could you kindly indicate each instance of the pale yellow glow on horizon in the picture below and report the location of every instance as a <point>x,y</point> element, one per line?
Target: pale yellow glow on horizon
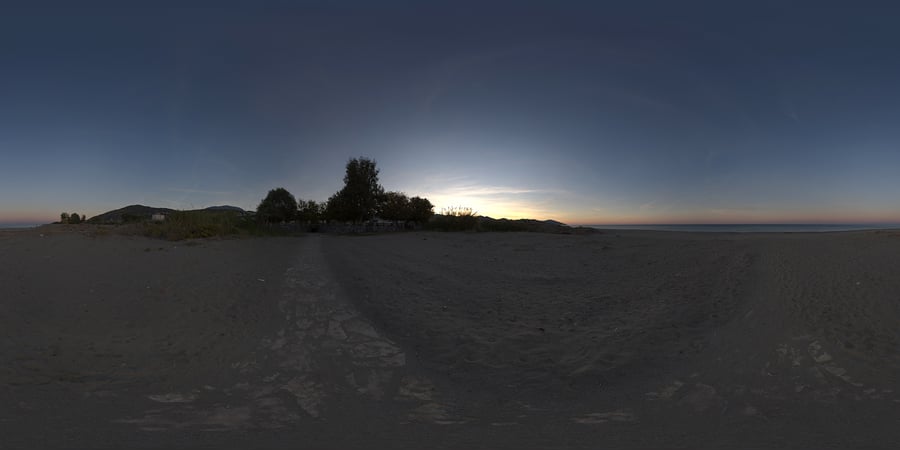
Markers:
<point>498,202</point>
<point>29,217</point>
<point>500,208</point>
<point>490,208</point>
<point>512,208</point>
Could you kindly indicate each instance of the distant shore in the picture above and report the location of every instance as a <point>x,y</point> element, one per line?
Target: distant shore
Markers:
<point>17,226</point>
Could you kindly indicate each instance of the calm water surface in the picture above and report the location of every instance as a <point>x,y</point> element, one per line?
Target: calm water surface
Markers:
<point>752,228</point>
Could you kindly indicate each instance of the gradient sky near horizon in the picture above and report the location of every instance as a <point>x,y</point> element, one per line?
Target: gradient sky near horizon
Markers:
<point>584,112</point>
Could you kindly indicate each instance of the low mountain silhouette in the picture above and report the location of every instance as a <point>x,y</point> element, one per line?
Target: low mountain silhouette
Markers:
<point>539,226</point>
<point>225,208</point>
<point>140,213</point>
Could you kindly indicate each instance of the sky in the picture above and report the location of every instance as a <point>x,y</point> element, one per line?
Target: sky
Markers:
<point>583,112</point>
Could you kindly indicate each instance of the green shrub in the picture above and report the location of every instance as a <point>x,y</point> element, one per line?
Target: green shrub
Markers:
<point>195,224</point>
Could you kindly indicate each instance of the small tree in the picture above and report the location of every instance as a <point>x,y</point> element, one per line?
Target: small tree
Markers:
<point>394,206</point>
<point>420,210</point>
<point>278,206</point>
<point>64,218</point>
<point>74,218</point>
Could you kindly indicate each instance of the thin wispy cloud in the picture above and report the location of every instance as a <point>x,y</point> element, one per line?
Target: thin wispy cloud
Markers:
<point>649,206</point>
<point>490,191</point>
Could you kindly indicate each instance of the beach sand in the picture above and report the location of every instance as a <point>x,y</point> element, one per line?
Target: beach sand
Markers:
<point>624,339</point>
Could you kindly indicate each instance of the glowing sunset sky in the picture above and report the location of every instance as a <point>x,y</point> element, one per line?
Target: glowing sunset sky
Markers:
<point>584,112</point>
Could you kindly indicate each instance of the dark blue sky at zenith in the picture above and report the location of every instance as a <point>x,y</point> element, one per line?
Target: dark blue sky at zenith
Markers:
<point>586,112</point>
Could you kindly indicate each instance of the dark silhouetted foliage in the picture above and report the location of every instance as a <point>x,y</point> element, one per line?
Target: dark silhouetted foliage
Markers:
<point>131,218</point>
<point>357,201</point>
<point>454,219</point>
<point>420,210</point>
<point>74,218</point>
<point>64,218</point>
<point>196,224</point>
<point>394,206</point>
<point>278,206</point>
<point>337,208</point>
<point>310,212</point>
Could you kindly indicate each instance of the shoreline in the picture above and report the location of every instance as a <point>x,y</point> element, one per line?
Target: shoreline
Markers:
<point>751,228</point>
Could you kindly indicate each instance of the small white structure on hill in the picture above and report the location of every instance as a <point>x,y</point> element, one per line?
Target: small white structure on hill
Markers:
<point>158,217</point>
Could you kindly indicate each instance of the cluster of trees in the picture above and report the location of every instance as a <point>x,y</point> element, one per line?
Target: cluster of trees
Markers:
<point>73,218</point>
<point>361,199</point>
<point>396,206</point>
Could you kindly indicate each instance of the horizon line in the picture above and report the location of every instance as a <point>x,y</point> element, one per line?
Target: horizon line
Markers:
<point>732,223</point>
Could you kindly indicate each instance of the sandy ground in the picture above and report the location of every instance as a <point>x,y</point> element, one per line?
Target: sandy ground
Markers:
<point>431,340</point>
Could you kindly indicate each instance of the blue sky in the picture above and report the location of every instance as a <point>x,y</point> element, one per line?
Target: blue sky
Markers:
<point>657,112</point>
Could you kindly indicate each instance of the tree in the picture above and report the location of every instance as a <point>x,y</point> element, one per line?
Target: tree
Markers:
<point>309,211</point>
<point>64,218</point>
<point>394,206</point>
<point>420,210</point>
<point>74,218</point>
<point>278,206</point>
<point>358,200</point>
<point>336,208</point>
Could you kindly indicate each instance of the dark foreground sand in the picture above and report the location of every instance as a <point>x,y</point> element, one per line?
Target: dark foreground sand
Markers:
<point>429,340</point>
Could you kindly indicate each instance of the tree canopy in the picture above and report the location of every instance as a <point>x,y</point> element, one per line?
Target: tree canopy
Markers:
<point>278,206</point>
<point>420,209</point>
<point>73,218</point>
<point>357,201</point>
<point>361,199</point>
<point>309,211</point>
<point>396,206</point>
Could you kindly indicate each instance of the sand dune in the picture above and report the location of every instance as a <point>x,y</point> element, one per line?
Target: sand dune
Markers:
<point>413,340</point>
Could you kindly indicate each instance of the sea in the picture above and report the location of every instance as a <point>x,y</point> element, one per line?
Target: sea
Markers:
<point>752,228</point>
<point>7,226</point>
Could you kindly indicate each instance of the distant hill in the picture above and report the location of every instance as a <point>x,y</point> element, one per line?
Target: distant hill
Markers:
<point>225,208</point>
<point>485,223</point>
<point>130,213</point>
<point>541,226</point>
<point>140,213</point>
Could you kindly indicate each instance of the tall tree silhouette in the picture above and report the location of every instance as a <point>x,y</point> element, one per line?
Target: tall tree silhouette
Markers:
<point>357,201</point>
